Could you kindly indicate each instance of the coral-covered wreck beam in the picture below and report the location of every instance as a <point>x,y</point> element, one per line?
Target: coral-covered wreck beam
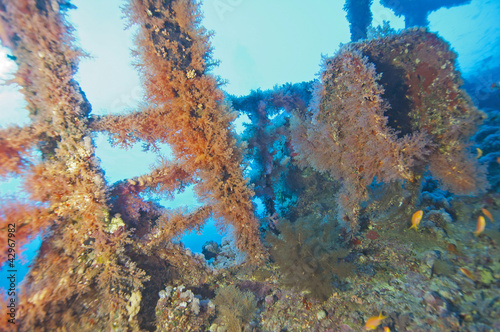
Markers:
<point>268,142</point>
<point>417,11</point>
<point>79,257</point>
<point>360,17</point>
<point>174,57</point>
<point>15,147</point>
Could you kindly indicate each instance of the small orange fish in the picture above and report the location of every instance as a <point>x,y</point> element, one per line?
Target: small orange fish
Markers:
<point>416,218</point>
<point>479,153</point>
<point>481,223</point>
<point>373,322</point>
<point>487,214</point>
<point>498,160</point>
<point>387,329</point>
<point>468,273</point>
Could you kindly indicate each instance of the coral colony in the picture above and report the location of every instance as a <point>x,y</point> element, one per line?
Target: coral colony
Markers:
<point>344,165</point>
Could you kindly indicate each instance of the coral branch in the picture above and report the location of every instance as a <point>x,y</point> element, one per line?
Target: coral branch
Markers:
<point>29,220</point>
<point>148,125</point>
<point>171,224</point>
<point>15,146</point>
